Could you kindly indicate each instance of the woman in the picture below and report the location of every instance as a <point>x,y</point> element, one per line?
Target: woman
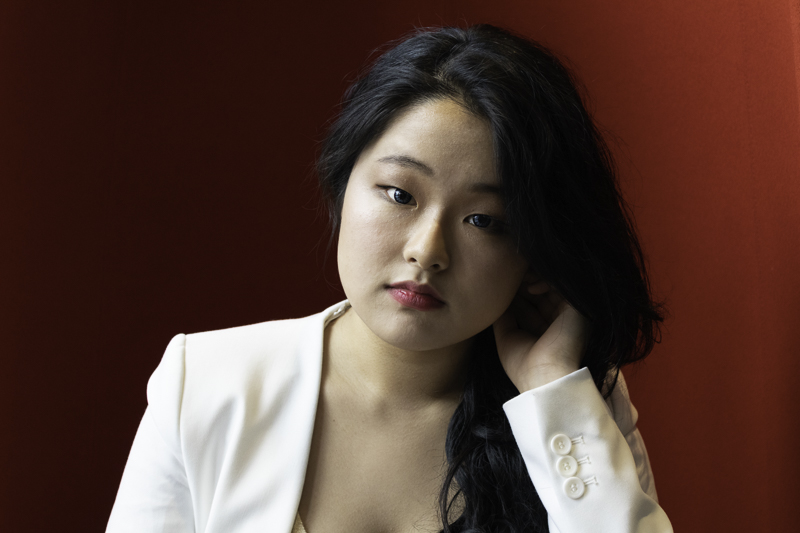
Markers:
<point>494,289</point>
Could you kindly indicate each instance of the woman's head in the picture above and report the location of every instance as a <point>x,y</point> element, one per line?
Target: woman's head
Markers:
<point>562,208</point>
<point>423,206</point>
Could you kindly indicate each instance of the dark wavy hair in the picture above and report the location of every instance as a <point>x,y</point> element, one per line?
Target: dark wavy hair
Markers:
<point>564,208</point>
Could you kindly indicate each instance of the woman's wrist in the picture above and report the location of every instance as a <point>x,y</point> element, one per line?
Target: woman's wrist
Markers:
<point>543,375</point>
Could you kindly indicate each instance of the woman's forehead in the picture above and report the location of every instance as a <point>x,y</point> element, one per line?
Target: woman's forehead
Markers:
<point>437,139</point>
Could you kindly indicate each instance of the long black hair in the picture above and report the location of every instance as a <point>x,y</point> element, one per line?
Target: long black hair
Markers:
<point>564,209</point>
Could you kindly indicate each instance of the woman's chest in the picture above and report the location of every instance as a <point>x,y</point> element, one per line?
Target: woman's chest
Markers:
<point>370,474</point>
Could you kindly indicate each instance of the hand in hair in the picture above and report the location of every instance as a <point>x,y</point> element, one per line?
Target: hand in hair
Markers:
<point>540,337</point>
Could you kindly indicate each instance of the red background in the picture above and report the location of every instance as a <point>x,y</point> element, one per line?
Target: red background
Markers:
<point>155,178</point>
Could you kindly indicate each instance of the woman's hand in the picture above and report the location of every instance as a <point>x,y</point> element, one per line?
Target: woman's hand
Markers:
<point>540,337</point>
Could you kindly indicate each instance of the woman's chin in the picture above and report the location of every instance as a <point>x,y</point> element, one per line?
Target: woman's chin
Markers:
<point>413,336</point>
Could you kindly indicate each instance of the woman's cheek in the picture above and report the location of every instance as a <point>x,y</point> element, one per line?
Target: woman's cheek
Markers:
<point>378,230</point>
<point>368,238</point>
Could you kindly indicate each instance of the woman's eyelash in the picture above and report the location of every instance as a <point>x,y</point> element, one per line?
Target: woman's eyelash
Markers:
<point>398,195</point>
<point>481,221</point>
<point>486,222</point>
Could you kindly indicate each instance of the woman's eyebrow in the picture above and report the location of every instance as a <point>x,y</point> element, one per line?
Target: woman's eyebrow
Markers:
<point>409,162</point>
<point>486,188</point>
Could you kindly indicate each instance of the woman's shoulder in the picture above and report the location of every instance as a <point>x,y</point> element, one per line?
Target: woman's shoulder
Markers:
<point>260,341</point>
<point>249,388</point>
<point>269,346</point>
<point>249,347</point>
<point>203,372</point>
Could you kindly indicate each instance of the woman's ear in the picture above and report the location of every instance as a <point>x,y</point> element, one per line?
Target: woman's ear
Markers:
<point>534,284</point>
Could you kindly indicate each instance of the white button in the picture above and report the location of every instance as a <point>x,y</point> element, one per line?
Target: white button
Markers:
<point>561,444</point>
<point>574,488</point>
<point>567,466</point>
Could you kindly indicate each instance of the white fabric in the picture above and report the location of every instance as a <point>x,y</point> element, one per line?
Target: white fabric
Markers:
<point>620,495</point>
<point>224,442</point>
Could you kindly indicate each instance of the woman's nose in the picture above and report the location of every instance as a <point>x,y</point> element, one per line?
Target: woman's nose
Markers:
<point>427,247</point>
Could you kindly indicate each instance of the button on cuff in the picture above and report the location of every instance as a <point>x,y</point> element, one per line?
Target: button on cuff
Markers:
<point>574,487</point>
<point>561,444</point>
<point>567,466</point>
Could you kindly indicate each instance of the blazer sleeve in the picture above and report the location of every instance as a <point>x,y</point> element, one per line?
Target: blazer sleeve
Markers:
<point>154,494</point>
<point>586,458</point>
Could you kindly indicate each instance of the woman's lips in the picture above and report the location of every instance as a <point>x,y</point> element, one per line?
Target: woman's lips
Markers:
<point>415,300</point>
<point>418,297</point>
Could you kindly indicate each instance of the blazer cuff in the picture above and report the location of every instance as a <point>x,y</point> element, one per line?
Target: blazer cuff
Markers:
<point>579,461</point>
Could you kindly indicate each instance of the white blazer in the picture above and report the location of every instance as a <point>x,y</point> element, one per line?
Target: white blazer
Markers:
<point>224,442</point>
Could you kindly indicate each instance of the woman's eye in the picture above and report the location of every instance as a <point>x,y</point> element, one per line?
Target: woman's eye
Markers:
<point>399,195</point>
<point>481,221</point>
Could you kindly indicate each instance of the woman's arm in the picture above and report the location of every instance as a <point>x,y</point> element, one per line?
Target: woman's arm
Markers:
<point>589,475</point>
<point>154,493</point>
<point>585,456</point>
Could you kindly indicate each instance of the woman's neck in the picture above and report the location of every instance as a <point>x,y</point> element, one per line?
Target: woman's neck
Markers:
<point>390,376</point>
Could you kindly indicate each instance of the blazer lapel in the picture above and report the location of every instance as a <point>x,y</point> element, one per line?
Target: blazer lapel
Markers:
<point>301,401</point>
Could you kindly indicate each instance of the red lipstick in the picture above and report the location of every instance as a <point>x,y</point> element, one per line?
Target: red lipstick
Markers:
<point>420,297</point>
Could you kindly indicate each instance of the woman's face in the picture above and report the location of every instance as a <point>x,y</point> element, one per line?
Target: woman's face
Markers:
<point>422,206</point>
